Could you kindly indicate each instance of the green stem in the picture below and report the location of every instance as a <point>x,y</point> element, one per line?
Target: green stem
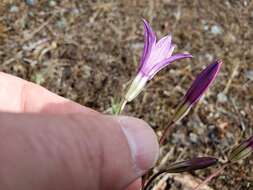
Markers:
<point>121,107</point>
<point>166,132</point>
<point>152,178</point>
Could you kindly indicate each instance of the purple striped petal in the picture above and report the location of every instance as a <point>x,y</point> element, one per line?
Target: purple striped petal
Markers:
<point>165,41</point>
<point>162,49</point>
<point>150,40</point>
<point>159,52</point>
<point>202,82</point>
<point>159,66</point>
<point>172,47</point>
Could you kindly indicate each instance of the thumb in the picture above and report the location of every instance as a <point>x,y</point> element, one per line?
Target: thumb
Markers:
<point>74,151</point>
<point>132,150</point>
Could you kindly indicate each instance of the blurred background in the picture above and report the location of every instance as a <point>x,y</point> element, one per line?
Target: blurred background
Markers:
<point>88,51</point>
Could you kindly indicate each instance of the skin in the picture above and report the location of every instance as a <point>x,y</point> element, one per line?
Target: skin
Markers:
<point>49,142</point>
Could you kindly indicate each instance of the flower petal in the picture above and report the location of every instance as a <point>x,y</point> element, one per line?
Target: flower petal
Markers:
<point>159,66</point>
<point>136,87</point>
<point>160,51</point>
<point>172,47</point>
<point>150,40</point>
<point>165,41</point>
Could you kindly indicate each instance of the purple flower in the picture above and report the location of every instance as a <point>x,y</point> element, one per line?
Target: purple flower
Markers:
<point>197,89</point>
<point>242,151</point>
<point>155,57</point>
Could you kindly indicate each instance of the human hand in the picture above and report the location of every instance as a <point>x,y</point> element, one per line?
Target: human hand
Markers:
<point>48,142</point>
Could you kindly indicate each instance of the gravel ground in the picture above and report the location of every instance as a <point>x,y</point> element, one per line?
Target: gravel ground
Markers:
<point>87,51</point>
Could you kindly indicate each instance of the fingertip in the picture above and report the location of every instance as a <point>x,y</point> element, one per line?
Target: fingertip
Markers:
<point>18,95</point>
<point>142,142</point>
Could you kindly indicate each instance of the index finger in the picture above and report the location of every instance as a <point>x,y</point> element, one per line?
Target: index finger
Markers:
<point>18,95</point>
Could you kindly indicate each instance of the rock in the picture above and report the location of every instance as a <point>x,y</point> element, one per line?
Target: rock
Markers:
<point>52,3</point>
<point>14,9</point>
<point>249,74</point>
<point>31,2</point>
<point>216,30</point>
<point>193,138</point>
<point>209,57</point>
<point>61,24</point>
<point>222,98</point>
<point>206,27</point>
<point>178,138</point>
<point>213,134</point>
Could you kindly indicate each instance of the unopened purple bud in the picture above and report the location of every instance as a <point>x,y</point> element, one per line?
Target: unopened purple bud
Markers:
<point>242,151</point>
<point>192,164</point>
<point>202,82</point>
<point>197,89</point>
<point>185,166</point>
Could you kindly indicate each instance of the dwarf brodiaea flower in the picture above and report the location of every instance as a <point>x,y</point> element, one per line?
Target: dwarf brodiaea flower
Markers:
<point>197,89</point>
<point>156,56</point>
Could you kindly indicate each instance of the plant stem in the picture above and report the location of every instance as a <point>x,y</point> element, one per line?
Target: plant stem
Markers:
<point>217,172</point>
<point>120,107</point>
<point>152,178</point>
<point>144,179</point>
<point>166,132</point>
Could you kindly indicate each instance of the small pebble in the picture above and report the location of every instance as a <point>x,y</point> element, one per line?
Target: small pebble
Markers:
<point>193,138</point>
<point>137,45</point>
<point>209,57</point>
<point>178,138</point>
<point>31,2</point>
<point>61,24</point>
<point>230,38</point>
<point>86,71</point>
<point>222,98</point>
<point>249,74</point>
<point>75,11</point>
<point>206,27</point>
<point>213,134</point>
<point>245,3</point>
<point>216,30</point>
<point>52,3</point>
<point>14,9</point>
<point>38,78</point>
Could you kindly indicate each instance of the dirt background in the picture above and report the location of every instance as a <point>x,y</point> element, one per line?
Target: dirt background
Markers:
<point>87,51</point>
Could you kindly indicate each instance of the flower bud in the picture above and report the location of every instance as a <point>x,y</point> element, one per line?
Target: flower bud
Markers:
<point>192,164</point>
<point>197,89</point>
<point>242,151</point>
